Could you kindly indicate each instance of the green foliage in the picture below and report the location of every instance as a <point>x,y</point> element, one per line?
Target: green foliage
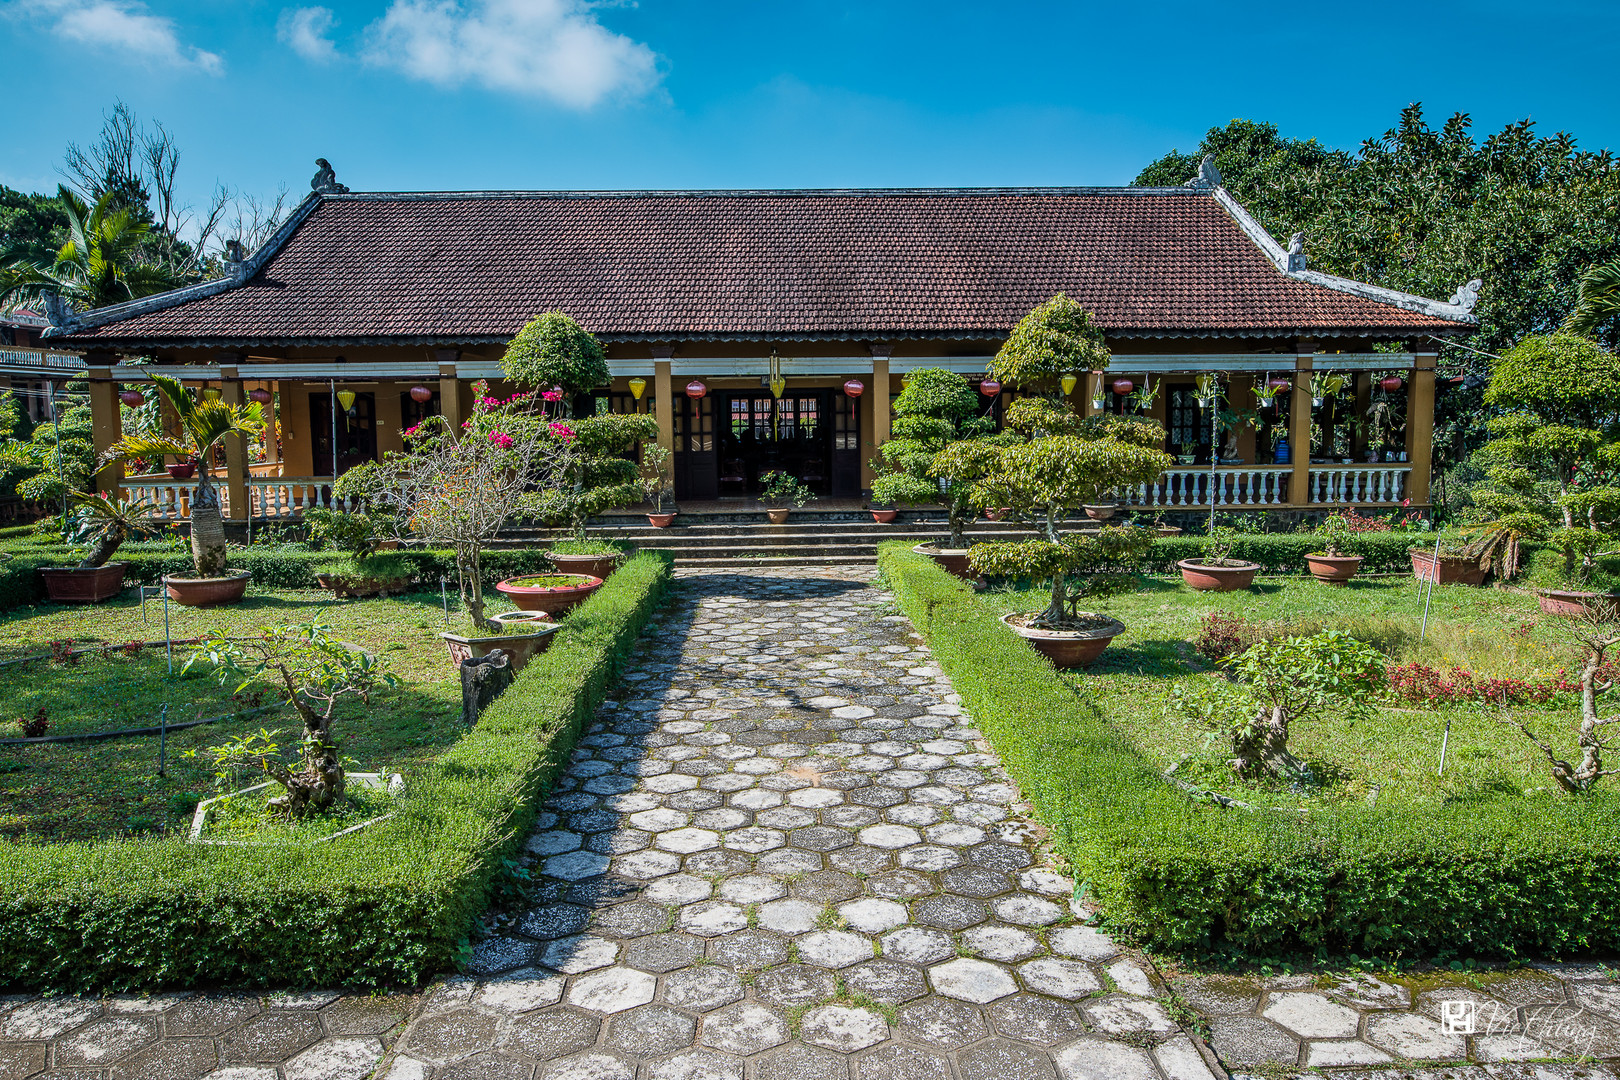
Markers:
<point>102,524</point>
<point>354,534</point>
<point>1060,474</point>
<point>783,490</point>
<point>1056,338</point>
<point>936,454</point>
<point>554,350</point>
<point>101,262</point>
<point>389,905</point>
<point>1598,301</point>
<point>935,404</point>
<point>1458,877</point>
<point>33,227</point>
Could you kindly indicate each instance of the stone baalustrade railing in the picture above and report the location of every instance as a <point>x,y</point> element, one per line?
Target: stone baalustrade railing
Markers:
<point>271,497</point>
<point>1260,486</point>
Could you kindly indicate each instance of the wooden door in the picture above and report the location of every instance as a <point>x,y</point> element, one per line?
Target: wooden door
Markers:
<point>696,463</point>
<point>356,432</point>
<point>846,445</point>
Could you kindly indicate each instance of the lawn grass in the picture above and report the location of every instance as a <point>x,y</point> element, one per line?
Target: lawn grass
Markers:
<point>104,788</point>
<point>1394,754</point>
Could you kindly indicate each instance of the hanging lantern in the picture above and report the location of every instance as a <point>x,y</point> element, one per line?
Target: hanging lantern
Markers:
<point>1123,386</point>
<point>261,395</point>
<point>638,386</point>
<point>133,398</point>
<point>210,393</point>
<point>1391,383</point>
<point>1280,384</point>
<point>854,388</point>
<point>777,384</point>
<point>346,399</point>
<point>1069,382</point>
<point>989,387</point>
<point>695,389</point>
<point>421,395</point>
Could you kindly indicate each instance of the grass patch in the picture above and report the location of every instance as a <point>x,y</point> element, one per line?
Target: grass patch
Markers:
<point>242,818</point>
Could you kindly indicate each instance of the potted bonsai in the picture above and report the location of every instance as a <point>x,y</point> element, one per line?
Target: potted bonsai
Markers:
<point>1335,564</point>
<point>1453,561</point>
<point>935,456</point>
<point>782,492</point>
<point>553,594</point>
<point>360,571</point>
<point>884,515</point>
<point>203,425</point>
<point>103,524</point>
<point>655,484</point>
<point>1216,570</point>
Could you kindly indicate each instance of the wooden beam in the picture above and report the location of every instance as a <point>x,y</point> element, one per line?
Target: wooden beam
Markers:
<point>1420,428</point>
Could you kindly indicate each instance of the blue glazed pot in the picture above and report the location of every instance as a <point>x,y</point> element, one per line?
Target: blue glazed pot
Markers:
<point>1282,456</point>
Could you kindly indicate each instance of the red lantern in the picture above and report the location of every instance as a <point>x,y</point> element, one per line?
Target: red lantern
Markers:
<point>989,387</point>
<point>1391,384</point>
<point>1280,384</point>
<point>695,389</point>
<point>133,398</point>
<point>421,394</point>
<point>261,395</point>
<point>1123,386</point>
<point>854,388</point>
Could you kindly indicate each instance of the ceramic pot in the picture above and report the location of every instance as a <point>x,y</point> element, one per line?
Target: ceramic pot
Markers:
<point>182,470</point>
<point>601,566</point>
<point>778,516</point>
<point>953,559</point>
<point>660,521</point>
<point>1101,512</point>
<point>552,599</point>
<point>1217,578</point>
<point>80,585</point>
<point>883,517</point>
<point>997,514</point>
<point>1447,569</point>
<point>204,592</point>
<point>1333,569</point>
<point>1576,604</point>
<point>521,645</point>
<point>1067,648</point>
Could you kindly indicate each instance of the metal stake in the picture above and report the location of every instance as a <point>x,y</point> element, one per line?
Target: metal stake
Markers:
<point>163,740</point>
<point>1443,740</point>
<point>444,598</point>
<point>1434,575</point>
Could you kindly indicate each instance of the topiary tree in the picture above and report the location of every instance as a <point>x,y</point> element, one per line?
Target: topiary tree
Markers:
<point>555,351</point>
<point>601,474</point>
<point>935,411</point>
<point>1056,338</point>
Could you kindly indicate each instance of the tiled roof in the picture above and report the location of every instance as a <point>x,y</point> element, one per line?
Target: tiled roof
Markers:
<point>846,264</point>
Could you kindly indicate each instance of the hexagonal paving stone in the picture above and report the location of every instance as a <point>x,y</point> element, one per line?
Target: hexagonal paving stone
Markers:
<point>269,1038</point>
<point>1312,1016</point>
<point>743,1029</point>
<point>896,1061</point>
<point>591,1066</point>
<point>795,984</point>
<point>1117,1014</point>
<point>553,921</point>
<point>103,1041</point>
<point>752,889</point>
<point>448,1036</point>
<point>971,980</point>
<point>918,945</point>
<point>948,912</point>
<point>697,1065</point>
<point>1004,943</point>
<point>613,990</point>
<point>941,1022</point>
<point>574,955</point>
<point>999,1059</point>
<point>873,916</point>
<point>1060,978</point>
<point>345,1058</point>
<point>702,989</point>
<point>711,918</point>
<point>651,1030</point>
<point>177,1058</point>
<point>521,990</point>
<point>687,841</point>
<point>834,948</point>
<point>749,950</point>
<point>353,1015</point>
<point>1409,1035</point>
<point>575,865</point>
<point>789,916</point>
<point>1082,943</point>
<point>1249,1041</point>
<point>552,1033</point>
<point>886,981</point>
<point>47,1018</point>
<point>1089,1059</point>
<point>663,952</point>
<point>841,1028</point>
<point>1035,1019</point>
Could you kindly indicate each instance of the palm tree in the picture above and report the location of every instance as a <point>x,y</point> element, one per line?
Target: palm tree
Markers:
<point>1599,299</point>
<point>203,426</point>
<point>102,262</point>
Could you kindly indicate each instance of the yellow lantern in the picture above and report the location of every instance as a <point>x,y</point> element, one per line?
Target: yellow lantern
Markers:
<point>1069,381</point>
<point>638,386</point>
<point>346,399</point>
<point>778,384</point>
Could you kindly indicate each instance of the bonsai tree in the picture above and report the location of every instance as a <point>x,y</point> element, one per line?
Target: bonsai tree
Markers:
<point>313,671</point>
<point>1278,683</point>
<point>103,524</point>
<point>555,352</point>
<point>655,480</point>
<point>356,536</point>
<point>203,425</point>
<point>1596,636</point>
<point>458,489</point>
<point>783,490</point>
<point>1056,338</point>
<point>930,458</point>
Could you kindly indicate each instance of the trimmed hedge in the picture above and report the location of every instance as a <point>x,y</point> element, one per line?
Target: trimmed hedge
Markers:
<point>1493,877</point>
<point>389,905</point>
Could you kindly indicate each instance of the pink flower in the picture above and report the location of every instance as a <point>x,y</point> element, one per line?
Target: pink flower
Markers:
<point>552,395</point>
<point>501,439</point>
<point>562,430</point>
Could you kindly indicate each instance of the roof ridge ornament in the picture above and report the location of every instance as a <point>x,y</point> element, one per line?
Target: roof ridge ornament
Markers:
<point>1296,253</point>
<point>324,182</point>
<point>1208,175</point>
<point>1466,296</point>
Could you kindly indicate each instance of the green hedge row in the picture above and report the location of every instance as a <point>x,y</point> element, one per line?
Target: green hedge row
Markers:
<point>1493,877</point>
<point>389,905</point>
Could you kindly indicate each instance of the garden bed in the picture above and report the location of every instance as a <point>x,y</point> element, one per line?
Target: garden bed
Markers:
<point>390,904</point>
<point>1481,869</point>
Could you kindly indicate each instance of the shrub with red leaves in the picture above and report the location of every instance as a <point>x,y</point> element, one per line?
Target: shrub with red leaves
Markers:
<point>62,653</point>
<point>35,726</point>
<point>1224,634</point>
<point>1421,684</point>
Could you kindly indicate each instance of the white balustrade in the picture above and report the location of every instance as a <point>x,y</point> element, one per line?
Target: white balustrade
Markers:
<point>1233,485</point>
<point>164,500</point>
<point>1359,484</point>
<point>289,496</point>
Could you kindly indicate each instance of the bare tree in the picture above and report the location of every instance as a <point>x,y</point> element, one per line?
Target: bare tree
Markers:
<point>1596,636</point>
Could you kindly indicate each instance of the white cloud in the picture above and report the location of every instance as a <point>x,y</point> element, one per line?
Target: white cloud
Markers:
<point>542,48</point>
<point>125,26</point>
<point>305,30</point>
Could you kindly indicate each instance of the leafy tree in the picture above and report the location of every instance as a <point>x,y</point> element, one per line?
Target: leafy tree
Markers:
<point>927,461</point>
<point>1056,338</point>
<point>100,264</point>
<point>1598,300</point>
<point>203,425</point>
<point>33,228</point>
<point>103,523</point>
<point>554,350</point>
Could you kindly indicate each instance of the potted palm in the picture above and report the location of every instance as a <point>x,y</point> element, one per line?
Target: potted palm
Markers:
<point>103,524</point>
<point>1216,570</point>
<point>203,426</point>
<point>1335,564</point>
<point>781,493</point>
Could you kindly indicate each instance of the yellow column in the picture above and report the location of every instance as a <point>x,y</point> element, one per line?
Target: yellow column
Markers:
<point>664,403</point>
<point>880,400</point>
<point>236,470</point>
<point>1090,383</point>
<point>1299,430</point>
<point>389,420</point>
<point>106,426</point>
<point>272,453</point>
<point>1420,428</point>
<point>450,395</point>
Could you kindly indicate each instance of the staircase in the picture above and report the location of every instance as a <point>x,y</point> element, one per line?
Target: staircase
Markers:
<point>810,538</point>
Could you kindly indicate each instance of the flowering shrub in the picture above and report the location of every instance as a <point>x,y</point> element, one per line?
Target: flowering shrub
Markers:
<point>501,439</point>
<point>1421,684</point>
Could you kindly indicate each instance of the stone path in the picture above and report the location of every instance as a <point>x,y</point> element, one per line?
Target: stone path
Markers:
<point>783,854</point>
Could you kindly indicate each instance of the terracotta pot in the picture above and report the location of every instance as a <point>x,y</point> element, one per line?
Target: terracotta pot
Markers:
<point>520,647</point>
<point>1333,569</point>
<point>883,517</point>
<point>778,516</point>
<point>1101,512</point>
<point>75,585</point>
<point>552,599</point>
<point>660,521</point>
<point>953,559</point>
<point>203,592</point>
<point>1575,604</point>
<point>1217,578</point>
<point>344,586</point>
<point>601,566</point>
<point>1447,570</point>
<point>182,470</point>
<point>997,514</point>
<point>1068,648</point>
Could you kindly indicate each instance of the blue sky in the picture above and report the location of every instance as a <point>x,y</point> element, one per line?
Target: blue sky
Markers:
<point>457,94</point>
